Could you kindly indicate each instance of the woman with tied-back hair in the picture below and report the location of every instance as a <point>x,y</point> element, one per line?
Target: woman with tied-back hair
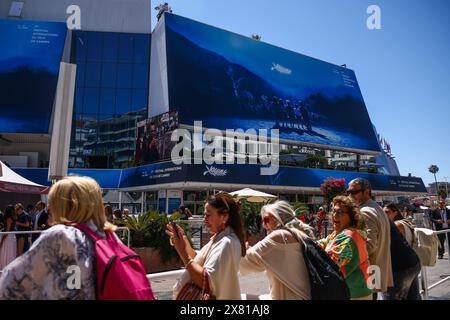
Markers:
<point>46,271</point>
<point>346,246</point>
<point>216,265</point>
<point>280,254</point>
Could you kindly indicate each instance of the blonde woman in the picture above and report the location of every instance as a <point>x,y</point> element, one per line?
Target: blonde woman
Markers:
<point>279,254</point>
<point>46,271</point>
<point>346,246</point>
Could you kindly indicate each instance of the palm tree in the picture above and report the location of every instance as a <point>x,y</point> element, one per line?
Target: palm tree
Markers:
<point>434,169</point>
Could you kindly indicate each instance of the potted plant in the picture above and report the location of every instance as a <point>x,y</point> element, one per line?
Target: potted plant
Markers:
<point>252,220</point>
<point>149,240</point>
<point>301,211</point>
<point>331,188</point>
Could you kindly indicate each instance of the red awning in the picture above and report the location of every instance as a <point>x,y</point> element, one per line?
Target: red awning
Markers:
<point>12,182</point>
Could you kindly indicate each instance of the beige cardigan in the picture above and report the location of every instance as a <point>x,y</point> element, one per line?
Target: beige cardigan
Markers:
<point>378,241</point>
<point>284,266</point>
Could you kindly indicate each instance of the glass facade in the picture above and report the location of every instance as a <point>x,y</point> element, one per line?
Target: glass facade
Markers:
<point>111,96</point>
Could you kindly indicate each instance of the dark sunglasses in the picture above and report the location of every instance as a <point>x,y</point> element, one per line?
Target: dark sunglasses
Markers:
<point>266,219</point>
<point>349,192</point>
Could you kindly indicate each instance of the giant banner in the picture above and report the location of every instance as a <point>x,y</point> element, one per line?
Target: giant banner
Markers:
<point>230,81</point>
<point>246,174</point>
<point>29,64</point>
<point>298,177</point>
<point>153,143</point>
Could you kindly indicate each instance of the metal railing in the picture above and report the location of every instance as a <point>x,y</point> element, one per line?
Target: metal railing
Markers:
<point>40,231</point>
<point>423,273</point>
<point>128,234</point>
<point>166,275</point>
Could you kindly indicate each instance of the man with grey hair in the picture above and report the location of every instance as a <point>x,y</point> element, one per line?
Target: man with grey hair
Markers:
<point>378,230</point>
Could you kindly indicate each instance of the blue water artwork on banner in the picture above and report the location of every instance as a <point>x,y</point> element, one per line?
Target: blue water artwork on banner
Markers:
<point>30,55</point>
<point>230,81</point>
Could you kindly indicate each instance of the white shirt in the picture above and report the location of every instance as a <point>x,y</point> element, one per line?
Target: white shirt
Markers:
<point>220,257</point>
<point>36,219</point>
<point>444,218</point>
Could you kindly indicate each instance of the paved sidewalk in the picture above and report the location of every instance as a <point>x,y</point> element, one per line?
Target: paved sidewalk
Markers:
<point>257,283</point>
<point>253,284</point>
<point>437,273</point>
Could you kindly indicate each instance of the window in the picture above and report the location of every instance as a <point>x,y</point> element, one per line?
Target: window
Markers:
<point>110,47</point>
<point>109,74</point>
<point>93,72</point>
<point>107,101</point>
<point>140,75</point>
<point>112,81</point>
<point>81,68</point>
<point>124,75</point>
<point>80,47</point>
<point>139,99</point>
<point>94,46</point>
<point>90,101</point>
<point>126,44</point>
<point>123,101</point>
<point>79,101</point>
<point>141,48</point>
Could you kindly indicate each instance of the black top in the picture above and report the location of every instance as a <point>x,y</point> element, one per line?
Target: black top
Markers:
<point>436,215</point>
<point>402,255</point>
<point>2,221</point>
<point>24,218</point>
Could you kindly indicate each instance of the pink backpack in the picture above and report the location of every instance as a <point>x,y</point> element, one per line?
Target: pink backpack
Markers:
<point>120,272</point>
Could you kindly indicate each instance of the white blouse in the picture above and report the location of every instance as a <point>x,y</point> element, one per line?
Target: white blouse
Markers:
<point>220,257</point>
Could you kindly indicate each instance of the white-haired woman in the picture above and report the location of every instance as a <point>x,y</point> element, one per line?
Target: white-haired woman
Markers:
<point>45,271</point>
<point>279,254</point>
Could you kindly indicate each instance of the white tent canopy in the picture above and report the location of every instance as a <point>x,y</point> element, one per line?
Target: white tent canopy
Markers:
<point>252,195</point>
<point>12,182</point>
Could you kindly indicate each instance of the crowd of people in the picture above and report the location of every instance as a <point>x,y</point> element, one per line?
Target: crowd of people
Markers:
<point>364,235</point>
<point>16,218</point>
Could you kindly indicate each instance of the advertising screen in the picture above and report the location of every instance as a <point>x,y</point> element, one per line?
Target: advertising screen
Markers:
<point>153,142</point>
<point>234,82</point>
<point>30,53</point>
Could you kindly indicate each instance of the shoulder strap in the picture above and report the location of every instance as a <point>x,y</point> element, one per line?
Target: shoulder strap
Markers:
<point>91,234</point>
<point>408,224</point>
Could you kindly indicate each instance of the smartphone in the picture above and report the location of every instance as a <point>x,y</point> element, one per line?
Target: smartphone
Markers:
<point>174,226</point>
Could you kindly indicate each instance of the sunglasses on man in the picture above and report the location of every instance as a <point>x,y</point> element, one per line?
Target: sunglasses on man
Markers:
<point>353,192</point>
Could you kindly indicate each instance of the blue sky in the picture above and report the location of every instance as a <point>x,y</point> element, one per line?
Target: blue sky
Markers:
<point>403,69</point>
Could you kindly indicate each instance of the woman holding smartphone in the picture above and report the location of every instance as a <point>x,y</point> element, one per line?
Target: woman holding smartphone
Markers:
<point>215,267</point>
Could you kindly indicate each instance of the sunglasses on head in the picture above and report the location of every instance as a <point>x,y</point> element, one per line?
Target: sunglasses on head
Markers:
<point>219,196</point>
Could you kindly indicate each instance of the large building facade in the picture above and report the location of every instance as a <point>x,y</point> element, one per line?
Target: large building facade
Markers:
<point>127,74</point>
